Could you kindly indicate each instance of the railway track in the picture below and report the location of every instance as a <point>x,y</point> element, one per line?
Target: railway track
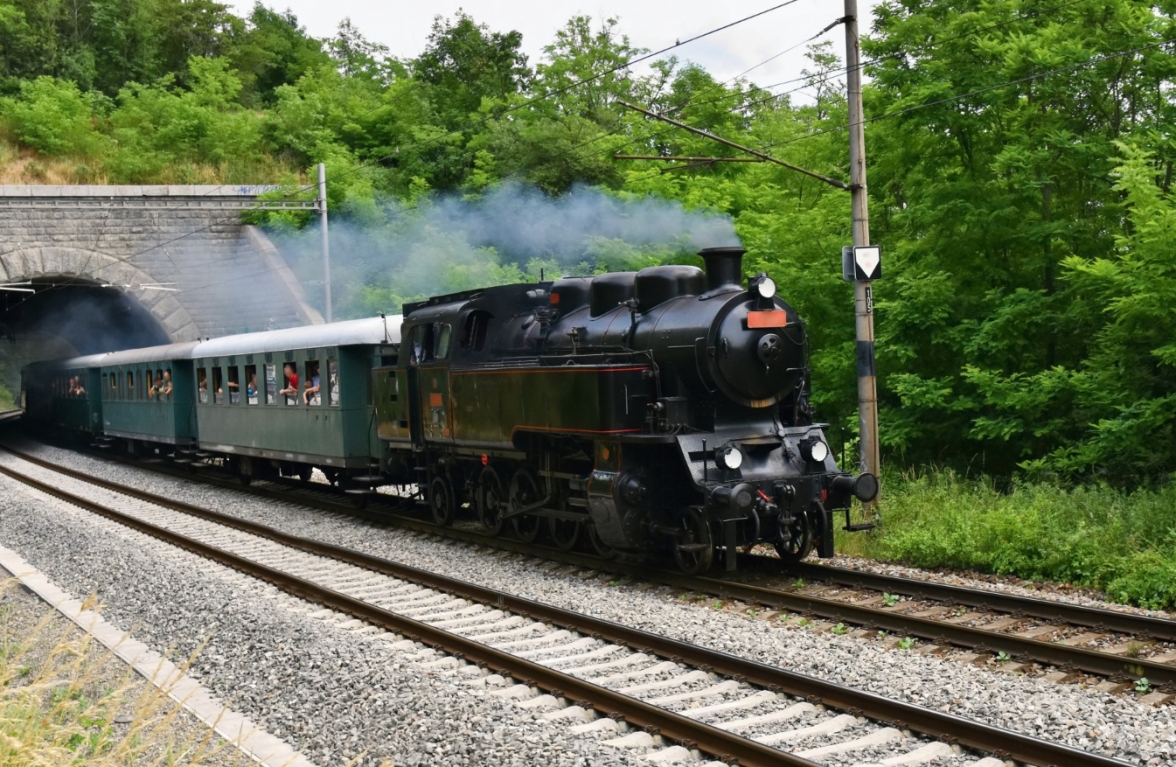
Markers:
<point>577,663</point>
<point>1121,647</point>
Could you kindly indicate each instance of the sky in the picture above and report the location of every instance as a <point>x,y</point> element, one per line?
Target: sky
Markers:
<point>654,24</point>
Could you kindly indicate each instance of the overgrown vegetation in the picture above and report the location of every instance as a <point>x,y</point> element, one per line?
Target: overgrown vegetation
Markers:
<point>1089,535</point>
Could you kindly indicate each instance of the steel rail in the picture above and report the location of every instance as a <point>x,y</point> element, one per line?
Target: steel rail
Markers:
<point>1023,648</point>
<point>934,724</point>
<point>1078,615</point>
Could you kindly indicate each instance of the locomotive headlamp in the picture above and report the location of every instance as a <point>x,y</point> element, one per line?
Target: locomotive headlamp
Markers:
<point>815,449</point>
<point>766,287</point>
<point>730,458</point>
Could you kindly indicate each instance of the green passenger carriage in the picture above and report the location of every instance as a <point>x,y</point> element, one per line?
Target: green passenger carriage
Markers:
<point>256,403</point>
<point>64,394</point>
<point>147,395</point>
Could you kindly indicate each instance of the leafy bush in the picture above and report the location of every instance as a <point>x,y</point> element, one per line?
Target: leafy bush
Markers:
<point>1089,536</point>
<point>55,117</point>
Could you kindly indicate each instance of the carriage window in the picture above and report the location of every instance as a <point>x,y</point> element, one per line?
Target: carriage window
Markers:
<point>150,385</point>
<point>165,385</point>
<point>443,341</point>
<point>271,385</point>
<point>202,383</point>
<point>218,385</point>
<point>473,332</point>
<point>130,384</point>
<point>332,381</point>
<point>290,383</point>
<point>312,388</point>
<point>251,384</point>
<point>113,379</point>
<point>234,385</point>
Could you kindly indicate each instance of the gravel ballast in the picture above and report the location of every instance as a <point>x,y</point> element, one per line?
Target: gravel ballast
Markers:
<point>1084,718</point>
<point>334,691</point>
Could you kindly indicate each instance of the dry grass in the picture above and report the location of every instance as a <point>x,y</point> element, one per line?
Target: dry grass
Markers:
<point>24,165</point>
<point>60,705</point>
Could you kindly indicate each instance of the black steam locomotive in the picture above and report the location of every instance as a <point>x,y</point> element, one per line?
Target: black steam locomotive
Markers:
<point>662,408</point>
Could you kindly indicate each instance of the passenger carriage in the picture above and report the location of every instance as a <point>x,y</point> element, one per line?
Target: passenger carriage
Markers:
<point>147,396</point>
<point>251,409</point>
<point>51,398</point>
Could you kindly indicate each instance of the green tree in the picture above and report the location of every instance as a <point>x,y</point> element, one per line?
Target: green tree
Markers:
<point>273,51</point>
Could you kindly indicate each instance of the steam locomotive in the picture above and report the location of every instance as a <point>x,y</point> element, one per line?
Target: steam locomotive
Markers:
<point>664,409</point>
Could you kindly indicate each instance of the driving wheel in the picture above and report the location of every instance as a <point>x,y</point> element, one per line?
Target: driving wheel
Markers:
<point>490,500</point>
<point>441,501</point>
<point>525,492</point>
<point>565,532</point>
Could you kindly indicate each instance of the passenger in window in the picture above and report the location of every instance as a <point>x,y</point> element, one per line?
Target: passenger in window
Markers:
<point>291,390</point>
<point>166,385</point>
<point>202,384</point>
<point>311,395</point>
<point>251,387</point>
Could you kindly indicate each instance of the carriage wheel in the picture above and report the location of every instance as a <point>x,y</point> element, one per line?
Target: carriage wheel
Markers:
<point>694,549</point>
<point>801,542</point>
<point>565,532</point>
<point>441,501</point>
<point>490,500</point>
<point>304,472</point>
<point>525,492</point>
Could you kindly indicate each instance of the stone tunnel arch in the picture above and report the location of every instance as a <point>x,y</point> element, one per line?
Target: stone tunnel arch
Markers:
<point>222,275</point>
<point>63,268</point>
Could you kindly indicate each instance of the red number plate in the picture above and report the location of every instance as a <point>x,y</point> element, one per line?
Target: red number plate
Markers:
<point>769,319</point>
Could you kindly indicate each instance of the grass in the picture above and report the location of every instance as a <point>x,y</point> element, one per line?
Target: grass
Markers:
<point>58,707</point>
<point>1091,536</point>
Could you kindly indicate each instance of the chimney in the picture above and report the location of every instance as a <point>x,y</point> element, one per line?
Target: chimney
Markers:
<point>724,266</point>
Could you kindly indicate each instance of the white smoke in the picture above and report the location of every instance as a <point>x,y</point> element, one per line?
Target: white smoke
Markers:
<point>400,252</point>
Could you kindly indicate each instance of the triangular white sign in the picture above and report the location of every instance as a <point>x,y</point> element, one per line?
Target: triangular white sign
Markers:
<point>867,259</point>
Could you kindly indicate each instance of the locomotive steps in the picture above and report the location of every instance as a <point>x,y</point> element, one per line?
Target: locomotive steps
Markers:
<point>604,666</point>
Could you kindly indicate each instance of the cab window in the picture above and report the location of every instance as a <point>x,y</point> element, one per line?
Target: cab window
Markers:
<point>443,332</point>
<point>422,343</point>
<point>473,331</point>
